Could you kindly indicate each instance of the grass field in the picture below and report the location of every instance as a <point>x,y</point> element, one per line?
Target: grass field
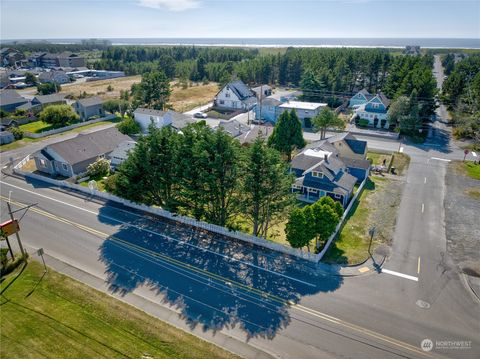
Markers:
<point>37,127</point>
<point>376,206</point>
<point>57,317</point>
<point>472,170</point>
<point>25,141</point>
<point>181,99</point>
<point>378,158</point>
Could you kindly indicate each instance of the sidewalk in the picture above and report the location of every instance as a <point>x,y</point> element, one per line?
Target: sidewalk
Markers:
<point>368,267</point>
<point>373,133</point>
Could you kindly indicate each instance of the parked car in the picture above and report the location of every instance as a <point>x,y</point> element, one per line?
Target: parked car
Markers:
<point>200,115</point>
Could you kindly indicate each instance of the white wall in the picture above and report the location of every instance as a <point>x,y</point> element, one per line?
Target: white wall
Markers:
<point>145,120</point>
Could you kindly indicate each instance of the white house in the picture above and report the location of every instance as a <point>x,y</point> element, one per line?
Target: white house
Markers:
<point>305,110</point>
<point>375,111</point>
<point>235,96</point>
<point>145,116</point>
<point>120,153</point>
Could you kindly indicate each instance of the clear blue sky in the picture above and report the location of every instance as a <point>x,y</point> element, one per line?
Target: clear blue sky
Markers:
<point>238,18</point>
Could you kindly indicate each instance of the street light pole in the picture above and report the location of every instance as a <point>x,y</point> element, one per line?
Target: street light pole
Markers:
<point>16,233</point>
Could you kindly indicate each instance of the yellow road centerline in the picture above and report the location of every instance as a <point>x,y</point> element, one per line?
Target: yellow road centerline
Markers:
<point>264,294</point>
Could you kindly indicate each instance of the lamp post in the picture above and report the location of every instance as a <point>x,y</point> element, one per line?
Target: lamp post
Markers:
<point>371,232</point>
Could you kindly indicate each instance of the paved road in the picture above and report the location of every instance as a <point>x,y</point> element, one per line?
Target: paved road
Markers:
<point>278,305</point>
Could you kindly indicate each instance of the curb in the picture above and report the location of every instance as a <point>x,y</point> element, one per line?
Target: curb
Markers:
<point>475,294</point>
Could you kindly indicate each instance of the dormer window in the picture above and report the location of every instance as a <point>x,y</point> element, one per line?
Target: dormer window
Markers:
<point>317,174</point>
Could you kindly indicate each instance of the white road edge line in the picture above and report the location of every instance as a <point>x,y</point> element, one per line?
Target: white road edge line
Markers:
<point>398,274</point>
<point>163,235</point>
<point>440,159</point>
<point>423,207</point>
<point>425,180</point>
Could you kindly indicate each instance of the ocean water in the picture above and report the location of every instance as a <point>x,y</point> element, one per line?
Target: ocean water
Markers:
<point>295,42</point>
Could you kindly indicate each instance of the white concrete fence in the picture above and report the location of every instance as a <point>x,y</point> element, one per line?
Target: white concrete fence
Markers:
<point>66,128</point>
<point>191,221</point>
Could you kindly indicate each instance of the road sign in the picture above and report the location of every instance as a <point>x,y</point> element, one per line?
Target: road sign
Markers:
<point>10,227</point>
<point>40,251</point>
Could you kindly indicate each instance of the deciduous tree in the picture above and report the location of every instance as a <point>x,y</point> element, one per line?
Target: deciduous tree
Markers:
<point>327,119</point>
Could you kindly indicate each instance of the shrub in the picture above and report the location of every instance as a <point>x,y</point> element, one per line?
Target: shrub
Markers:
<point>128,126</point>
<point>99,168</point>
<point>48,88</point>
<point>363,123</point>
<point>17,133</point>
<point>110,88</point>
<point>58,115</point>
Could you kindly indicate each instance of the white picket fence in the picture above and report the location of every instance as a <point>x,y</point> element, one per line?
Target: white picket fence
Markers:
<point>67,128</point>
<point>342,220</point>
<point>162,213</point>
<point>193,222</point>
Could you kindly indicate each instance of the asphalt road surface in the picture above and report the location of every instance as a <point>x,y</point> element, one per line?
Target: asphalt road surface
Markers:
<point>279,305</point>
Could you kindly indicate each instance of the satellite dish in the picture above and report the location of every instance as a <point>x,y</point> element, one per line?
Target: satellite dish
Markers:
<point>92,185</point>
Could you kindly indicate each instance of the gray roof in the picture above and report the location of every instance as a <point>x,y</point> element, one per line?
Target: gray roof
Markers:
<point>234,128</point>
<point>90,101</point>
<point>148,111</point>
<point>365,93</point>
<point>87,146</point>
<point>270,101</point>
<point>240,89</point>
<point>357,146</point>
<point>11,97</point>
<point>255,132</point>
<point>179,120</point>
<point>44,99</point>
<point>353,163</point>
<point>384,99</point>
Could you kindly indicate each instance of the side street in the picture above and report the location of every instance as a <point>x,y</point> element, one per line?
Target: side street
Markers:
<point>267,218</point>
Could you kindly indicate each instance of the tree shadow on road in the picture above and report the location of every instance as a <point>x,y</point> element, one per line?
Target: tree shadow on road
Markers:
<point>211,280</point>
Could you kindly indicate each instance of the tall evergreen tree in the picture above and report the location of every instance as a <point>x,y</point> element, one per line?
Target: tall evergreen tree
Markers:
<point>153,91</point>
<point>266,186</point>
<point>287,134</point>
<point>149,173</point>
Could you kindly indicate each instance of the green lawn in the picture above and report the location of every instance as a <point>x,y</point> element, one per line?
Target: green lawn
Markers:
<point>25,141</point>
<point>378,158</point>
<point>472,170</point>
<point>351,246</point>
<point>100,183</point>
<point>37,127</point>
<point>58,317</point>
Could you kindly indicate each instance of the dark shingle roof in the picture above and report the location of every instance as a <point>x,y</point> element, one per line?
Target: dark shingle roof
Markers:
<point>384,99</point>
<point>240,89</point>
<point>270,101</point>
<point>87,146</point>
<point>361,164</point>
<point>148,111</point>
<point>44,99</point>
<point>10,97</point>
<point>357,146</point>
<point>90,101</point>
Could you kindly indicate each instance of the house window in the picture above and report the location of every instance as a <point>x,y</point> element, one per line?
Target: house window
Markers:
<point>337,196</point>
<point>227,95</point>
<point>222,102</point>
<point>313,190</point>
<point>64,166</point>
<point>43,163</point>
<point>317,174</point>
<point>296,186</point>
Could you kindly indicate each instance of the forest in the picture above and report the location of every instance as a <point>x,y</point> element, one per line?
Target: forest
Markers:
<point>461,92</point>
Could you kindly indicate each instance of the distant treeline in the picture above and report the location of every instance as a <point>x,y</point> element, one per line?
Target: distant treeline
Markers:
<point>55,48</point>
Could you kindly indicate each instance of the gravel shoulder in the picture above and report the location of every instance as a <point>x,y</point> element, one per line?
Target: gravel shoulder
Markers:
<point>462,209</point>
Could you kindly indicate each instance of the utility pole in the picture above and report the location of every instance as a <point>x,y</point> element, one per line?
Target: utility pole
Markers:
<point>16,233</point>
